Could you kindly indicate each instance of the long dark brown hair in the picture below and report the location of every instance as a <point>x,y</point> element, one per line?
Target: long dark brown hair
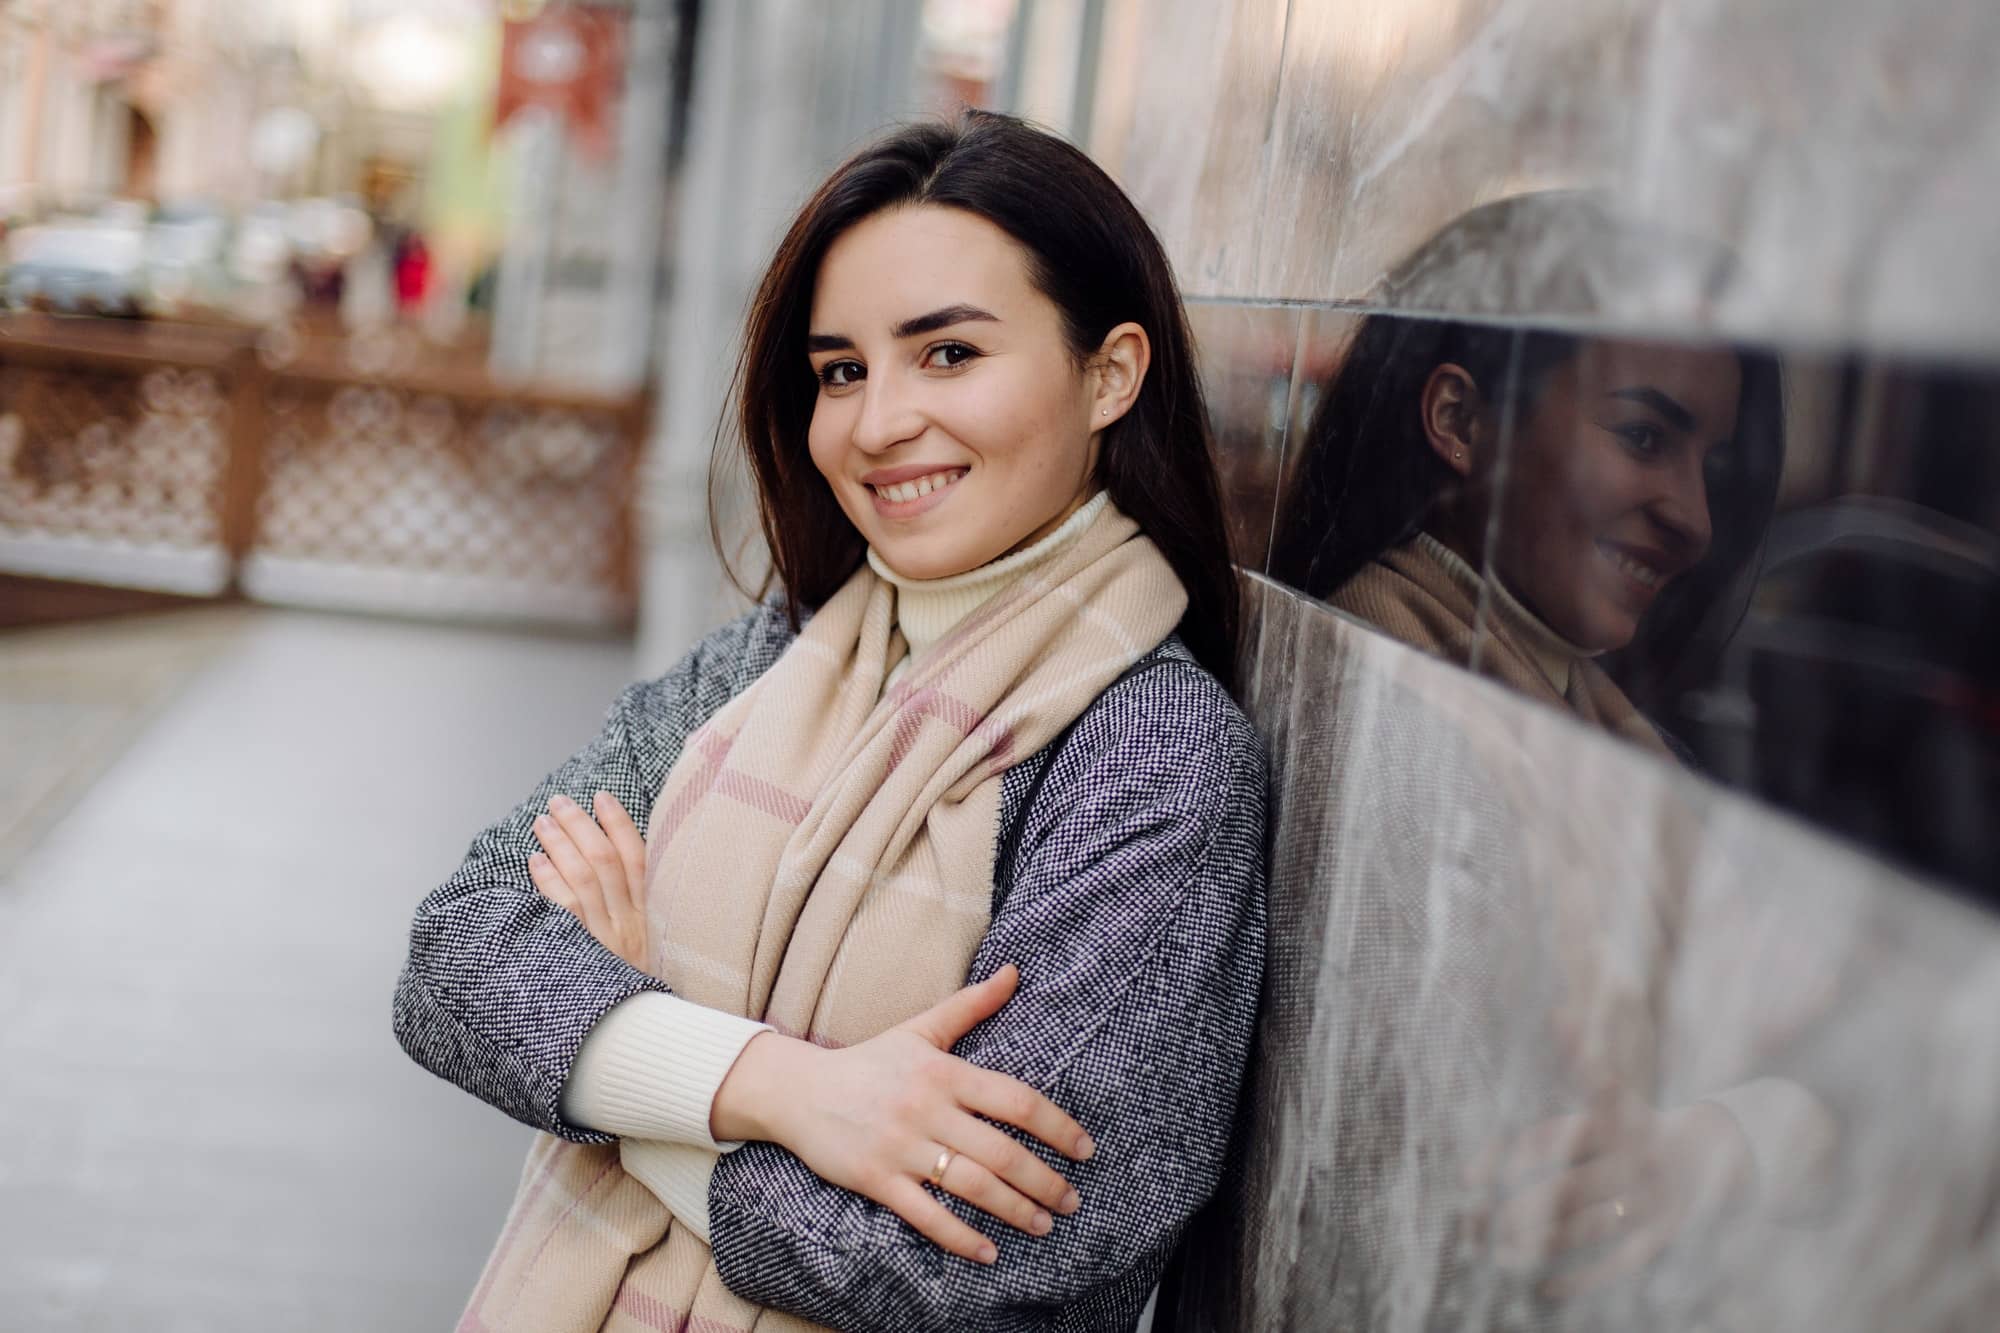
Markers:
<point>1089,252</point>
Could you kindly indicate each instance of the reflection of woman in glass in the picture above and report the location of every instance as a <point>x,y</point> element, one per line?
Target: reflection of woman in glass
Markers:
<point>1613,491</point>
<point>1522,501</point>
<point>979,733</point>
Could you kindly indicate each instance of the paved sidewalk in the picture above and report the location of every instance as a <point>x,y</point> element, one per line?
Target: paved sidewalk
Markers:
<point>205,1122</point>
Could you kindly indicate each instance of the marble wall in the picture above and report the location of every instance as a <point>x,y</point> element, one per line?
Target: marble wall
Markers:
<point>1841,149</point>
<point>1640,361</point>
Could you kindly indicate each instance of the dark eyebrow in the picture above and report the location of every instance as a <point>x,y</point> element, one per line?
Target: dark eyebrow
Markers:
<point>909,328</point>
<point>1677,416</point>
<point>942,319</point>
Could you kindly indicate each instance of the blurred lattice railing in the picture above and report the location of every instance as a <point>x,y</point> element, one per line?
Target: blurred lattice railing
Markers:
<point>184,461</point>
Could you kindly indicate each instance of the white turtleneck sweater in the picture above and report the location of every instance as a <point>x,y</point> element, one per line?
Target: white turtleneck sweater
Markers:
<point>649,1071</point>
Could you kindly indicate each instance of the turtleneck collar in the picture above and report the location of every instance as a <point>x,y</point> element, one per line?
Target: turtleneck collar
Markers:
<point>927,609</point>
<point>1554,655</point>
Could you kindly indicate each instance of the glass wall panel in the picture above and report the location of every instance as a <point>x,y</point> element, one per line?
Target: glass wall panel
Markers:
<point>1247,356</point>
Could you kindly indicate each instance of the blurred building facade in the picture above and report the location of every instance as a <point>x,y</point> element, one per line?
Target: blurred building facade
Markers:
<point>150,99</point>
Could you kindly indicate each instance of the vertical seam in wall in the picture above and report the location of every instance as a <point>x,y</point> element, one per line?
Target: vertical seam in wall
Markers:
<point>1303,314</point>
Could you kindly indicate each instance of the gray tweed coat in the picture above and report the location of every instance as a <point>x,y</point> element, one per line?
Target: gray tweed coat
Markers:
<point>1129,890</point>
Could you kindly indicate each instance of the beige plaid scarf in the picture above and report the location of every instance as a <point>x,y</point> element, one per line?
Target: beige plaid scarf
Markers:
<point>1410,594</point>
<point>821,857</point>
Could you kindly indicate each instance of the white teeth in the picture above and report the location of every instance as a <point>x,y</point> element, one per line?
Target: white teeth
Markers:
<point>1645,574</point>
<point>904,491</point>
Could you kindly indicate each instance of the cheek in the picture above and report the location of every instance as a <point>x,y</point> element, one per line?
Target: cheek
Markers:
<point>1571,484</point>
<point>823,438</point>
<point>1028,426</point>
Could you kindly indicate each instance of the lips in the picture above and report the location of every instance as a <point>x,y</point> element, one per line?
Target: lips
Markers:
<point>1650,570</point>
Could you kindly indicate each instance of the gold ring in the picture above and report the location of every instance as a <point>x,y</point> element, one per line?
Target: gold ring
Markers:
<point>943,1165</point>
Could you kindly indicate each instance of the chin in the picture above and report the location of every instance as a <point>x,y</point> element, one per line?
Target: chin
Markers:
<point>914,561</point>
<point>1607,633</point>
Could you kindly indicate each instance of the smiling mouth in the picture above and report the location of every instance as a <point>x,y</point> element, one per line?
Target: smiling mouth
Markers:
<point>1640,572</point>
<point>916,489</point>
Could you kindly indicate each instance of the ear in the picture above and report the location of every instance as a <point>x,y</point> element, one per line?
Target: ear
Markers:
<point>1453,409</point>
<point>1117,371</point>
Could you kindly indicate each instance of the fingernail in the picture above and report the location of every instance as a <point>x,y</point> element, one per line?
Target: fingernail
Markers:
<point>1069,1204</point>
<point>987,1254</point>
<point>561,802</point>
<point>538,860</point>
<point>1041,1223</point>
<point>542,822</point>
<point>1084,1148</point>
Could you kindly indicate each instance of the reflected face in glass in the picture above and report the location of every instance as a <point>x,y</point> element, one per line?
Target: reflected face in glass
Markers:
<point>1606,494</point>
<point>953,422</point>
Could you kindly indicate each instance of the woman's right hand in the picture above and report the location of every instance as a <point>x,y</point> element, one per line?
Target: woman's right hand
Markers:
<point>876,1117</point>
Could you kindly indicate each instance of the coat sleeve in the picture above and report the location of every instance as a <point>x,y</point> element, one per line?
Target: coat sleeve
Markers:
<point>1136,915</point>
<point>501,986</point>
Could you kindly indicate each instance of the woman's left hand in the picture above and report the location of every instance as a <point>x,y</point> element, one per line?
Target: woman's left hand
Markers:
<point>598,873</point>
<point>1620,1178</point>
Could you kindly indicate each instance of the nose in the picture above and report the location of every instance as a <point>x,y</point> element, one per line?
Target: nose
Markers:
<point>1681,508</point>
<point>888,415</point>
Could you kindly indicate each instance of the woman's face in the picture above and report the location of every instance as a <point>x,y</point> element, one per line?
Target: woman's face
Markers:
<point>1605,494</point>
<point>952,422</point>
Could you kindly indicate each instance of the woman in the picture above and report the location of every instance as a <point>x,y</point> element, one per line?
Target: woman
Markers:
<point>1523,500</point>
<point>980,730</point>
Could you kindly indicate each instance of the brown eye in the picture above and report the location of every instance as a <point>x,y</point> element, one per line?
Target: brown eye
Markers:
<point>948,356</point>
<point>1643,439</point>
<point>841,374</point>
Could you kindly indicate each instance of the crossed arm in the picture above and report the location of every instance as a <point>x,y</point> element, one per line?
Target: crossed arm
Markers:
<point>1136,926</point>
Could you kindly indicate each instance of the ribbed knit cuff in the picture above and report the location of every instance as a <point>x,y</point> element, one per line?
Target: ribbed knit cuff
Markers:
<point>678,1175</point>
<point>651,1067</point>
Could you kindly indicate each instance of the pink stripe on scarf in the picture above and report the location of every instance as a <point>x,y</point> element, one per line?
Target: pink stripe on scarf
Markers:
<point>648,1310</point>
<point>929,703</point>
<point>760,795</point>
<point>999,738</point>
<point>715,752</point>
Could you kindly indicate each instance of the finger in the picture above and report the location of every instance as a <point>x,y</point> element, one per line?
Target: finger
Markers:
<point>590,841</point>
<point>1029,1175</point>
<point>576,873</point>
<point>957,1014</point>
<point>630,843</point>
<point>987,1192</point>
<point>548,883</point>
<point>1637,1250</point>
<point>1530,1227</point>
<point>607,866</point>
<point>921,1209</point>
<point>1012,1102</point>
